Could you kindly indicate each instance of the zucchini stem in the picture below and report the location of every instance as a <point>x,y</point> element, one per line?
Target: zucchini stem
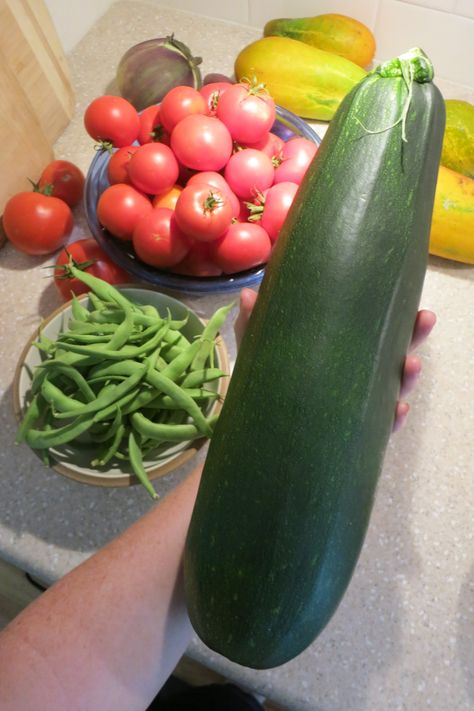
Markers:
<point>412,66</point>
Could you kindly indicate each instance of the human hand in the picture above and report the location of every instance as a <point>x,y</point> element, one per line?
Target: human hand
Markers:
<point>424,323</point>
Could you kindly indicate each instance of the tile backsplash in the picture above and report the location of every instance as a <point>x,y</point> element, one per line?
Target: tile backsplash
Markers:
<point>443,28</point>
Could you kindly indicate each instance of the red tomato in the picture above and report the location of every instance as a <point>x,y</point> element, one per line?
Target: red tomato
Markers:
<point>203,212</point>
<point>119,209</point>
<point>243,246</point>
<point>212,92</point>
<point>198,262</point>
<point>117,167</point>
<point>112,120</point>
<point>65,179</point>
<point>248,113</point>
<point>153,168</point>
<point>201,142</point>
<point>216,180</point>
<point>179,102</point>
<point>157,239</point>
<point>296,156</point>
<point>277,200</point>
<point>249,171</point>
<point>83,252</point>
<point>168,199</point>
<point>151,128</point>
<point>36,223</point>
<point>271,145</point>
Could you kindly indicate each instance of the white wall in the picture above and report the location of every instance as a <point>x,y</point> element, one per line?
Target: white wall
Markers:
<point>443,28</point>
<point>73,18</point>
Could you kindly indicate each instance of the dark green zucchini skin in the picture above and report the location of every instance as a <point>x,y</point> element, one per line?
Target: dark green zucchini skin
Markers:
<point>289,481</point>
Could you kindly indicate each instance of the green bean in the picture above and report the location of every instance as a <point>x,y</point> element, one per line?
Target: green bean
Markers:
<point>79,312</point>
<point>91,328</point>
<point>106,379</point>
<point>57,398</point>
<point>111,448</point>
<point>108,411</point>
<point>73,374</point>
<point>63,357</point>
<point>181,361</point>
<point>137,465</point>
<point>113,394</point>
<point>149,310</point>
<point>183,401</point>
<point>96,303</point>
<point>121,367</point>
<point>124,352</point>
<point>44,344</point>
<point>166,402</point>
<point>100,288</point>
<point>146,332</point>
<point>82,337</point>
<point>31,416</point>
<point>106,430</point>
<point>198,377</point>
<point>44,439</point>
<point>107,316</point>
<point>209,334</point>
<point>123,332</point>
<point>167,432</point>
<point>152,311</point>
<point>144,396</point>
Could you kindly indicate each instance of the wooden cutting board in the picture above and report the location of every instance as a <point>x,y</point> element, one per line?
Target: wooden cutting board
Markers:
<point>37,99</point>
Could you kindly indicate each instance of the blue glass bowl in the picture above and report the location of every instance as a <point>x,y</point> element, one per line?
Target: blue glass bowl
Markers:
<point>287,125</point>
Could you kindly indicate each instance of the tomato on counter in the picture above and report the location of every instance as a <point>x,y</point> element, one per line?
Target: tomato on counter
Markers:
<point>90,257</point>
<point>36,223</point>
<point>64,180</point>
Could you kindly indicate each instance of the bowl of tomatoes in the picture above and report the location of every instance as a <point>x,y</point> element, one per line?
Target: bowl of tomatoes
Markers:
<point>196,202</point>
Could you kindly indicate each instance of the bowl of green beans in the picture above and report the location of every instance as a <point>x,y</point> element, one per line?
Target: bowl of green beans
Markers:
<point>121,385</point>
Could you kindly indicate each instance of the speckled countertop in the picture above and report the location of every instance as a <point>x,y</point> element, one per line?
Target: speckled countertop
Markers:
<point>403,637</point>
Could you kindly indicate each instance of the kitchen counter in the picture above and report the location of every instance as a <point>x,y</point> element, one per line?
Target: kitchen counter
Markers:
<point>403,635</point>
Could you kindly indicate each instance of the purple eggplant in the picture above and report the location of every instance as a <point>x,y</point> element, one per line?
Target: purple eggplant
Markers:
<point>213,78</point>
<point>147,71</point>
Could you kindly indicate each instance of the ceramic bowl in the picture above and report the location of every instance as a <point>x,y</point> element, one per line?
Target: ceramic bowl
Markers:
<point>287,125</point>
<point>73,460</point>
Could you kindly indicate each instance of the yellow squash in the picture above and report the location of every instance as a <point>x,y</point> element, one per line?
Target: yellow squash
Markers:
<point>334,33</point>
<point>452,229</point>
<point>458,144</point>
<point>303,79</point>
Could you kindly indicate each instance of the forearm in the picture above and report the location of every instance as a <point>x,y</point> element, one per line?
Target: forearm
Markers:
<point>109,633</point>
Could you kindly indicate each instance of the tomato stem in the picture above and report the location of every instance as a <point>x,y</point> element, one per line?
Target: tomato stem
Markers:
<point>63,271</point>
<point>104,146</point>
<point>254,86</point>
<point>212,202</point>
<point>44,190</point>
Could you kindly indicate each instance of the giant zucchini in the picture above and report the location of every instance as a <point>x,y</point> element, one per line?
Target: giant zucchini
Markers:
<point>289,481</point>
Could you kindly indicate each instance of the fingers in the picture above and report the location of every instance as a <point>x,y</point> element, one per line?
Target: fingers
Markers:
<point>247,301</point>
<point>424,323</point>
<point>401,412</point>
<point>411,372</point>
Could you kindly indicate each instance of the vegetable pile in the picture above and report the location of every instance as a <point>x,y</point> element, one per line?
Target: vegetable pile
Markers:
<point>207,185</point>
<point>123,380</point>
